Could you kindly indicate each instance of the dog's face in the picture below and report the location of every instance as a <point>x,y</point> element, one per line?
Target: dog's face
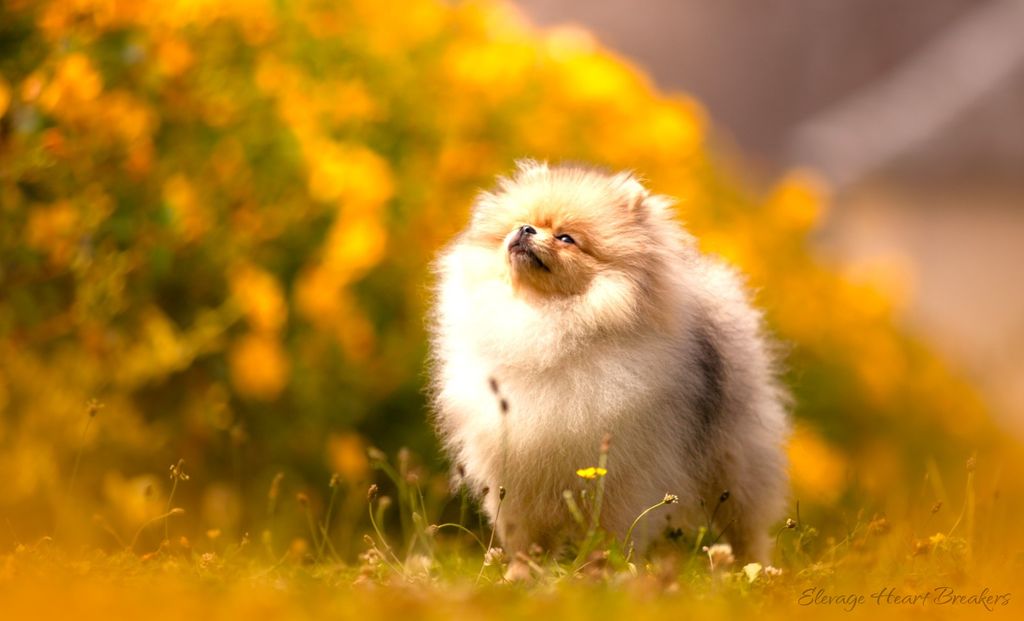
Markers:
<point>559,231</point>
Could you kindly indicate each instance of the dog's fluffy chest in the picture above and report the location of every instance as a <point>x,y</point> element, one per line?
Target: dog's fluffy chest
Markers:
<point>545,410</point>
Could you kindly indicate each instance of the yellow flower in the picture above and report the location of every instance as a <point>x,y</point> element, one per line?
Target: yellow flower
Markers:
<point>5,96</point>
<point>54,229</point>
<point>347,173</point>
<point>818,469</point>
<point>191,218</point>
<point>602,79</point>
<point>354,244</point>
<point>318,295</point>
<point>797,201</point>
<point>128,118</point>
<point>76,82</point>
<point>173,56</point>
<point>591,472</point>
<point>259,366</point>
<point>492,70</point>
<point>259,295</point>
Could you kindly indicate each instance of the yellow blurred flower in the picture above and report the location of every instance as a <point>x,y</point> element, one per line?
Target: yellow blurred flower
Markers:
<point>347,173</point>
<point>259,366</point>
<point>318,295</point>
<point>817,469</point>
<point>490,69</point>
<point>881,365</point>
<point>75,82</point>
<point>731,245</point>
<point>53,230</point>
<point>190,214</point>
<point>259,296</point>
<point>599,78</point>
<point>173,56</point>
<point>354,244</point>
<point>885,282</point>
<point>798,200</point>
<point>5,396</point>
<point>273,75</point>
<point>459,160</point>
<point>346,454</point>
<point>673,128</point>
<point>415,23</point>
<point>5,96</point>
<point>32,86</point>
<point>350,101</point>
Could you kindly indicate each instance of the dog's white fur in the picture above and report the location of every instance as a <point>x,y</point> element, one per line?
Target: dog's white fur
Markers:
<point>650,341</point>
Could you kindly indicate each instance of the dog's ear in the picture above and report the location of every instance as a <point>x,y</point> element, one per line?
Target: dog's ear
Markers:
<point>526,168</point>
<point>643,203</point>
<point>633,192</point>
<point>638,200</point>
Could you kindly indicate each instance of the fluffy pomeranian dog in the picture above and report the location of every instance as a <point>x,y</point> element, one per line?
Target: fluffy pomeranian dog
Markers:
<point>574,306</point>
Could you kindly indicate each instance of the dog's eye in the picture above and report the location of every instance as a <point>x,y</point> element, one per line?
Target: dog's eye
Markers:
<point>565,238</point>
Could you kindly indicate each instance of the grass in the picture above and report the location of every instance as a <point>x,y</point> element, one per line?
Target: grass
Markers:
<point>879,568</point>
<point>926,564</point>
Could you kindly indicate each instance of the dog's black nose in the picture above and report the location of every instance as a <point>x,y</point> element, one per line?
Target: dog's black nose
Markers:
<point>522,232</point>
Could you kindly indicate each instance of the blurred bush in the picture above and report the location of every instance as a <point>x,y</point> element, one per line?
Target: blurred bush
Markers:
<point>217,219</point>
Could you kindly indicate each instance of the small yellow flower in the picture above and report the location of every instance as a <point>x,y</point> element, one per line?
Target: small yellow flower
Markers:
<point>591,472</point>
<point>5,96</point>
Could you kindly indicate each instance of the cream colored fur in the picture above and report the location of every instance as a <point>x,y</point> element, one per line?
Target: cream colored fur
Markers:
<point>631,332</point>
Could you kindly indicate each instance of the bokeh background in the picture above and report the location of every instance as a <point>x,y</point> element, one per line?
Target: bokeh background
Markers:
<point>911,111</point>
<point>217,218</point>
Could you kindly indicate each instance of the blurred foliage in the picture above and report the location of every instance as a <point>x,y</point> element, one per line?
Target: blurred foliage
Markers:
<point>217,219</point>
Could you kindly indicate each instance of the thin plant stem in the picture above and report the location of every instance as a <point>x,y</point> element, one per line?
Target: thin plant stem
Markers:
<point>174,511</point>
<point>312,525</point>
<point>327,520</point>
<point>106,527</point>
<point>627,543</point>
<point>465,530</point>
<point>93,407</point>
<point>177,474</point>
<point>380,536</point>
<point>494,528</point>
<point>574,508</point>
<point>715,540</point>
<point>78,456</point>
<point>170,499</point>
<point>595,515</point>
<point>399,480</point>
<point>967,511</point>
<point>463,504</point>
